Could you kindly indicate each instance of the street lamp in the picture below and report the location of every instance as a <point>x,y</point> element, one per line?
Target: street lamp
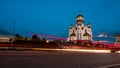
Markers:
<point>13,33</point>
<point>13,27</point>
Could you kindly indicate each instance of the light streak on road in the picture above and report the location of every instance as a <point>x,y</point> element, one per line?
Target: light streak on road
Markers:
<point>68,50</point>
<point>77,50</point>
<point>91,51</point>
<point>118,52</point>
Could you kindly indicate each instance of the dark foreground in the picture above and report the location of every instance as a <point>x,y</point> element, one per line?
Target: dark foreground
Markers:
<point>42,59</point>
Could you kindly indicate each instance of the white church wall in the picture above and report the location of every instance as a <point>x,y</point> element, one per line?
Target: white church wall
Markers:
<point>80,30</point>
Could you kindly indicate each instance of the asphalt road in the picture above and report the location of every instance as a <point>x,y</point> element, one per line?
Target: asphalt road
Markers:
<point>43,59</point>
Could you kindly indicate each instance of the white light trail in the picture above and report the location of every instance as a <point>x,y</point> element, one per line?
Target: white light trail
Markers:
<point>88,51</point>
<point>118,52</point>
<point>78,50</point>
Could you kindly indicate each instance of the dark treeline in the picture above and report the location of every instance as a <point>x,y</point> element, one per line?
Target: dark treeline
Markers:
<point>34,40</point>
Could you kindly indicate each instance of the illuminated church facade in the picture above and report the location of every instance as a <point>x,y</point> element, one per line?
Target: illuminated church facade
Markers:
<point>80,31</point>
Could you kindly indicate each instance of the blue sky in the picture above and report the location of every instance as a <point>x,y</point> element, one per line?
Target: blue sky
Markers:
<point>53,17</point>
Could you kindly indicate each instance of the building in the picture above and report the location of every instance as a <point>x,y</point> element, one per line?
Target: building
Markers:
<point>4,38</point>
<point>118,39</point>
<point>80,31</point>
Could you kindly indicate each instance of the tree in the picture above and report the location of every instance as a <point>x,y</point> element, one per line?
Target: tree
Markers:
<point>18,37</point>
<point>35,38</point>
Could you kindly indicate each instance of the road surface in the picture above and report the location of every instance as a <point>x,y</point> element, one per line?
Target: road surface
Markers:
<point>59,59</point>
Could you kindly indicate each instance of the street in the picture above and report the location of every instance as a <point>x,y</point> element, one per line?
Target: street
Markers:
<point>58,59</point>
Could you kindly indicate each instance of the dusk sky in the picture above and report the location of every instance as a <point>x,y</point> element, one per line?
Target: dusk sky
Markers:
<point>53,17</point>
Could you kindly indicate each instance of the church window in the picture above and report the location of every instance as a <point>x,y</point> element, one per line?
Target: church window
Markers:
<point>77,36</point>
<point>80,36</point>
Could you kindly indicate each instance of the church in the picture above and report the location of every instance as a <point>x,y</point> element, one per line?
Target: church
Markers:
<point>80,31</point>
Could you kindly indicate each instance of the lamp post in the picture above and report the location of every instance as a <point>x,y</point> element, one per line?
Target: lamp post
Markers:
<point>13,27</point>
<point>13,33</point>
